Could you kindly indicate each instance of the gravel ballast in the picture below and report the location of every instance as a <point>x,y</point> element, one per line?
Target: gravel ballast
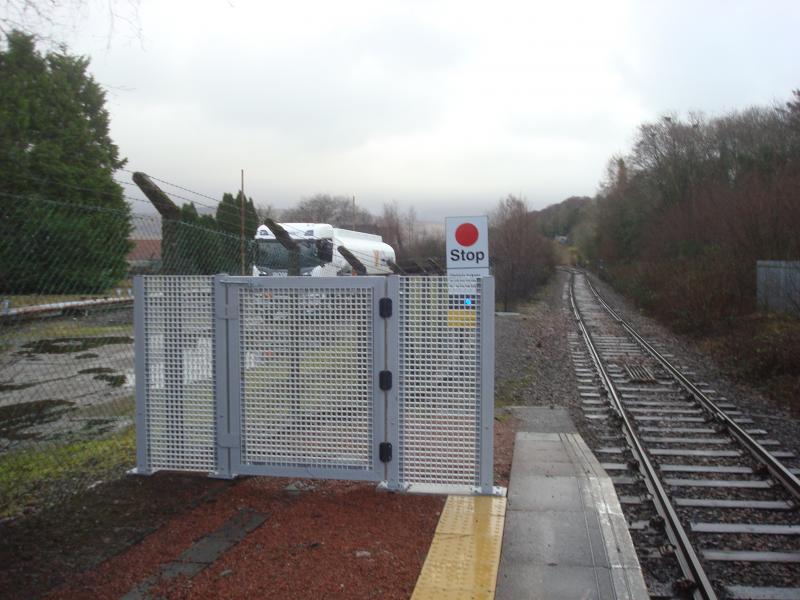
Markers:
<point>532,362</point>
<point>766,413</point>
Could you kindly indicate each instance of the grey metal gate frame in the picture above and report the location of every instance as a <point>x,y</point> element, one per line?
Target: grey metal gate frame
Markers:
<point>272,415</point>
<point>231,413</point>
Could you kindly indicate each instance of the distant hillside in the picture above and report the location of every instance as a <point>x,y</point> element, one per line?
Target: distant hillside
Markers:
<point>562,218</point>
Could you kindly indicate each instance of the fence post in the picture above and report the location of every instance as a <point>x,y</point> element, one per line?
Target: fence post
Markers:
<point>392,396</point>
<point>234,372</point>
<point>140,374</point>
<point>222,407</point>
<point>487,385</point>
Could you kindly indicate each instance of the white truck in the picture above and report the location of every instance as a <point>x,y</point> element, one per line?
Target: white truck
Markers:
<point>319,251</point>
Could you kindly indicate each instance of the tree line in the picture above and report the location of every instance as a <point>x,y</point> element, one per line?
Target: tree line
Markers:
<point>681,218</point>
<point>64,222</point>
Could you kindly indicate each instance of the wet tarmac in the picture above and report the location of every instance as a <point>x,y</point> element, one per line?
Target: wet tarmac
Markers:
<point>65,379</point>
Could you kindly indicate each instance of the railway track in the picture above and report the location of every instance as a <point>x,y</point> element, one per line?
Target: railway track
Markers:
<point>711,500</point>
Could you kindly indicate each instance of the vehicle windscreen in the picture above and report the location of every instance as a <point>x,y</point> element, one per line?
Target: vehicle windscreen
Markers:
<point>272,255</point>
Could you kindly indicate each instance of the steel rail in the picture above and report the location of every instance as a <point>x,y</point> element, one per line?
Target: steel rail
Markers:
<point>776,468</point>
<point>684,551</point>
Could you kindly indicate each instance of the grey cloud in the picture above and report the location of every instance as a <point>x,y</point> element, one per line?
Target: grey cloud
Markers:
<point>341,92</point>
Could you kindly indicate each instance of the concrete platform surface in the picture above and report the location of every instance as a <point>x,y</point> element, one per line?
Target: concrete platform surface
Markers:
<point>565,535</point>
<point>544,419</point>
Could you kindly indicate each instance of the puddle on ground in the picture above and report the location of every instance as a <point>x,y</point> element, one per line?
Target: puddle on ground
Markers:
<point>7,386</point>
<point>112,380</point>
<point>17,417</point>
<point>110,376</point>
<point>69,345</point>
<point>96,370</point>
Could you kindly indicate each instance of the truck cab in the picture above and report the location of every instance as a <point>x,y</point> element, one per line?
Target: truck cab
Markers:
<point>319,251</point>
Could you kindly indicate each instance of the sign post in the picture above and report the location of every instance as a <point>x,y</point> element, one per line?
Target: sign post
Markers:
<point>467,248</point>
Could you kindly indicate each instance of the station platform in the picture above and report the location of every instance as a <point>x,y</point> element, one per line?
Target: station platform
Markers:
<point>560,533</point>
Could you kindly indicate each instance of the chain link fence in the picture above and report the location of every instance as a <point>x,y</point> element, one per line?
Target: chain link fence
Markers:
<point>66,334</point>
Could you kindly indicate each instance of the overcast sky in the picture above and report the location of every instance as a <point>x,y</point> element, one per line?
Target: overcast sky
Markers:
<point>446,106</point>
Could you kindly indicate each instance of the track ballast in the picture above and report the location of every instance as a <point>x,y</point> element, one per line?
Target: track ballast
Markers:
<point>712,501</point>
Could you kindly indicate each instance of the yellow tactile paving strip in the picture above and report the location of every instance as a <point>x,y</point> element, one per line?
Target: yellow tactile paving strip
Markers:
<point>464,556</point>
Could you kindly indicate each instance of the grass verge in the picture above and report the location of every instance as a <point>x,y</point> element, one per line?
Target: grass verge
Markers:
<point>509,392</point>
<point>59,329</point>
<point>762,350</point>
<point>37,477</point>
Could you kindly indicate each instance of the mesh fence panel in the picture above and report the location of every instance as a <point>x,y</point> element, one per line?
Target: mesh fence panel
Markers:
<point>66,334</point>
<point>66,355</point>
<point>179,373</point>
<point>440,385</point>
<point>66,350</point>
<point>307,376</point>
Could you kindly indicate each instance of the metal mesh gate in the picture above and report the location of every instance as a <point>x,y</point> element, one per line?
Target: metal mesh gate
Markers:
<point>318,377</point>
<point>175,374</point>
<point>307,372</point>
<point>440,391</point>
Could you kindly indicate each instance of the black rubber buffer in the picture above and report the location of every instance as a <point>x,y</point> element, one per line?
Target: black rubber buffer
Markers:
<point>385,452</point>
<point>385,307</point>
<point>385,380</point>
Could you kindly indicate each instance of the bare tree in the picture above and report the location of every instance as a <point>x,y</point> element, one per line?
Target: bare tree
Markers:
<point>340,211</point>
<point>49,21</point>
<point>390,226</point>
<point>522,258</point>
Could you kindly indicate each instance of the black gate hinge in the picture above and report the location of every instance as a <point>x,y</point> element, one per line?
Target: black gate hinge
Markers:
<point>385,452</point>
<point>385,307</point>
<point>385,380</point>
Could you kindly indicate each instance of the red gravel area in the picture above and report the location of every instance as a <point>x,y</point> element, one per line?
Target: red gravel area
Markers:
<point>44,549</point>
<point>332,540</point>
<point>505,428</point>
<point>335,540</point>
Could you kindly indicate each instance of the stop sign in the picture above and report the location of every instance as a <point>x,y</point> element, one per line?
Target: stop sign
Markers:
<point>467,244</point>
<point>466,234</point>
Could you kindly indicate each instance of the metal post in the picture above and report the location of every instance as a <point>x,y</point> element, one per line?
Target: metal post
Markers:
<point>241,225</point>
<point>221,388</point>
<point>358,266</point>
<point>139,359</point>
<point>234,375</point>
<point>171,252</point>
<point>292,247</point>
<point>487,384</point>
<point>392,396</point>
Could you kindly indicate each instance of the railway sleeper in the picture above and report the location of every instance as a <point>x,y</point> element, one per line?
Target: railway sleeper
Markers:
<point>749,528</point>
<point>740,592</point>
<point>751,556</point>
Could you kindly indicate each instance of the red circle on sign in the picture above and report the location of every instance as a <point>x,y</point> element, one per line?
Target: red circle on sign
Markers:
<point>466,234</point>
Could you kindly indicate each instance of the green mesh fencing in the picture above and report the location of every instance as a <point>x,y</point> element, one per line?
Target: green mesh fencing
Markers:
<point>66,334</point>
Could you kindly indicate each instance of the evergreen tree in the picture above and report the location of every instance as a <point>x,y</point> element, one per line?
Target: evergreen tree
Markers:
<point>64,223</point>
<point>201,248</point>
<point>229,223</point>
<point>229,217</point>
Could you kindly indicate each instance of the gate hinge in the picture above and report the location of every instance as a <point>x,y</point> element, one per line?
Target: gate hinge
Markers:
<point>385,380</point>
<point>385,307</point>
<point>385,452</point>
